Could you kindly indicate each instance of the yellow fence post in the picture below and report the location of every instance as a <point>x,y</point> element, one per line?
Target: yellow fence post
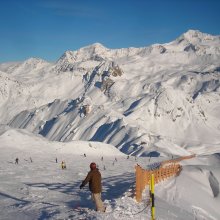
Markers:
<point>150,202</point>
<point>152,197</point>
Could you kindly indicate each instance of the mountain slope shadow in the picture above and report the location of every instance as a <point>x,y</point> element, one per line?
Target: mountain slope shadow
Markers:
<point>214,184</point>
<point>105,130</point>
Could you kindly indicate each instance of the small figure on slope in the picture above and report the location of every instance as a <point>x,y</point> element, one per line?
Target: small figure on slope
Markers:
<point>16,161</point>
<point>63,165</point>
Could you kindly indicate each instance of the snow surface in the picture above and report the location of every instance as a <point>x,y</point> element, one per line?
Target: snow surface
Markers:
<point>42,190</point>
<point>154,102</point>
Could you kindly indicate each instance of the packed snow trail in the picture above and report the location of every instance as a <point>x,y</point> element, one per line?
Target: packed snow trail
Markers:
<point>42,190</point>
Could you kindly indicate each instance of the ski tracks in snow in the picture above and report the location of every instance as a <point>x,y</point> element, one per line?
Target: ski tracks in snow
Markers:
<point>200,214</point>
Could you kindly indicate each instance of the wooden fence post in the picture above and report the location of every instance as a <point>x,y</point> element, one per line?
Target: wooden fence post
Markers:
<point>159,174</point>
<point>142,180</point>
<point>138,184</point>
<point>145,178</point>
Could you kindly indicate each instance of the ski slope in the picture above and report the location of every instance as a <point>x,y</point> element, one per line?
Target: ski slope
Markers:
<point>42,190</point>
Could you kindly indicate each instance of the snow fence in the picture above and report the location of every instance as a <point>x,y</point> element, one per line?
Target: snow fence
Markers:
<point>166,169</point>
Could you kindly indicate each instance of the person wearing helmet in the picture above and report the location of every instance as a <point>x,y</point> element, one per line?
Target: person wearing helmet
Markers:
<point>94,179</point>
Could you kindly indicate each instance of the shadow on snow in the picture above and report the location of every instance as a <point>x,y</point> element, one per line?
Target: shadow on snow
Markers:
<point>113,187</point>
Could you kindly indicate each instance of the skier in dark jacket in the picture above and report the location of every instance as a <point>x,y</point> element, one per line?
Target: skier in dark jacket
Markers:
<point>16,161</point>
<point>94,179</point>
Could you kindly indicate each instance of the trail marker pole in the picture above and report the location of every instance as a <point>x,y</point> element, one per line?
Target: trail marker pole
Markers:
<point>152,197</point>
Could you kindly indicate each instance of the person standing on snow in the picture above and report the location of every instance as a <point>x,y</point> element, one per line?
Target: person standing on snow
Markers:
<point>63,165</point>
<point>94,179</point>
<point>16,161</point>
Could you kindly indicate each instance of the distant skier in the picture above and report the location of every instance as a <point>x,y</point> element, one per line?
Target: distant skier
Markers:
<point>63,165</point>
<point>31,160</point>
<point>128,157</point>
<point>101,158</point>
<point>56,160</point>
<point>16,161</point>
<point>94,179</point>
<point>84,155</point>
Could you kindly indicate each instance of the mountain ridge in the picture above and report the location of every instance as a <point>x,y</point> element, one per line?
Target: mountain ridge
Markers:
<point>124,97</point>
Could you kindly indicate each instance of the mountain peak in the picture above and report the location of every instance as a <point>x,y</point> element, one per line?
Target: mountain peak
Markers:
<point>97,45</point>
<point>192,32</point>
<point>68,56</point>
<point>196,36</point>
<point>34,60</point>
<point>94,51</point>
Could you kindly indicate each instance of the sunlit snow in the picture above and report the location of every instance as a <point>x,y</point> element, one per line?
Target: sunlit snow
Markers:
<point>150,103</point>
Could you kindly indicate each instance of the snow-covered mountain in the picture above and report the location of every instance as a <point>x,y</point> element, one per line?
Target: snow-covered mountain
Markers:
<point>156,102</point>
<point>137,97</point>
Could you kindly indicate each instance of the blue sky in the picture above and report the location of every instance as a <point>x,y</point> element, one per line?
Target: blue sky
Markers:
<point>47,28</point>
